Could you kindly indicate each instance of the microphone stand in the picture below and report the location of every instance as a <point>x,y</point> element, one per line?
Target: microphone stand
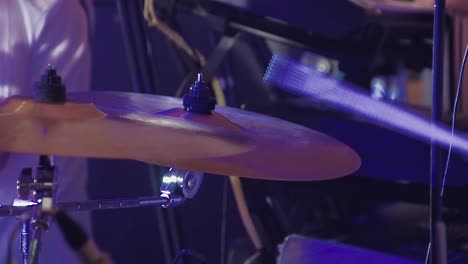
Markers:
<point>438,244</point>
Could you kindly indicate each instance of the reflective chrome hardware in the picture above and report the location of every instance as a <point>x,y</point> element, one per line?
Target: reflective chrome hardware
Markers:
<point>181,182</point>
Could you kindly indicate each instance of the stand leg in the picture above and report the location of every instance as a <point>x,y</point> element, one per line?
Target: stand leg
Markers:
<point>25,240</point>
<point>35,246</point>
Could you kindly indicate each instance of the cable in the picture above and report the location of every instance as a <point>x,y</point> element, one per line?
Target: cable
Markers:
<point>150,15</point>
<point>244,213</point>
<point>178,40</point>
<point>236,185</point>
<point>454,115</point>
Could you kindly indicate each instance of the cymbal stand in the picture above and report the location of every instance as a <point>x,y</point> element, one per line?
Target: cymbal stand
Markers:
<point>42,195</point>
<point>49,89</point>
<point>23,195</point>
<point>33,194</point>
<point>106,204</point>
<point>35,203</point>
<point>179,182</point>
<point>177,186</point>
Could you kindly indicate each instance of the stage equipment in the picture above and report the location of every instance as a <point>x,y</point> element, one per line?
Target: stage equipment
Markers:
<point>153,129</point>
<point>156,129</point>
<point>302,250</point>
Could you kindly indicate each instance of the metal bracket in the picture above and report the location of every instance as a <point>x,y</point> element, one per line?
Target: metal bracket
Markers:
<point>180,182</point>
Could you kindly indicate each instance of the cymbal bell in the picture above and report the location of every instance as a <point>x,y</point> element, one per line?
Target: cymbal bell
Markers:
<point>156,129</point>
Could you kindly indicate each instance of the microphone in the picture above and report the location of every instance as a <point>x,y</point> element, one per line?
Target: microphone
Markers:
<point>78,240</point>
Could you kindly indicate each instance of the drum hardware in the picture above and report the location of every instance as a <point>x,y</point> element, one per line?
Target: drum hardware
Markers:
<point>24,195</point>
<point>39,190</point>
<point>34,204</point>
<point>152,128</point>
<point>118,203</point>
<point>198,100</point>
<point>157,130</point>
<point>50,88</point>
<point>180,182</point>
<point>34,193</point>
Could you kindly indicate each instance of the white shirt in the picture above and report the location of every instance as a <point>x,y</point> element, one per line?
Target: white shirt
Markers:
<point>34,33</point>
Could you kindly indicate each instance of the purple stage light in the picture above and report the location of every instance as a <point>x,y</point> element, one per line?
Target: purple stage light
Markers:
<point>296,78</point>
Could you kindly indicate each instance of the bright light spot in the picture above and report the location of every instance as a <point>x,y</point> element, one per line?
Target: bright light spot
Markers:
<point>378,88</point>
<point>22,203</point>
<point>43,47</point>
<point>393,94</point>
<point>57,51</point>
<point>79,51</point>
<point>47,204</point>
<point>7,91</point>
<point>4,45</point>
<point>301,80</point>
<point>323,66</point>
<point>171,179</point>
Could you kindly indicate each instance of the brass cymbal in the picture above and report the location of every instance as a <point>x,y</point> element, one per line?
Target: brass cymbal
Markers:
<point>80,128</point>
<point>280,150</point>
<point>157,130</point>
